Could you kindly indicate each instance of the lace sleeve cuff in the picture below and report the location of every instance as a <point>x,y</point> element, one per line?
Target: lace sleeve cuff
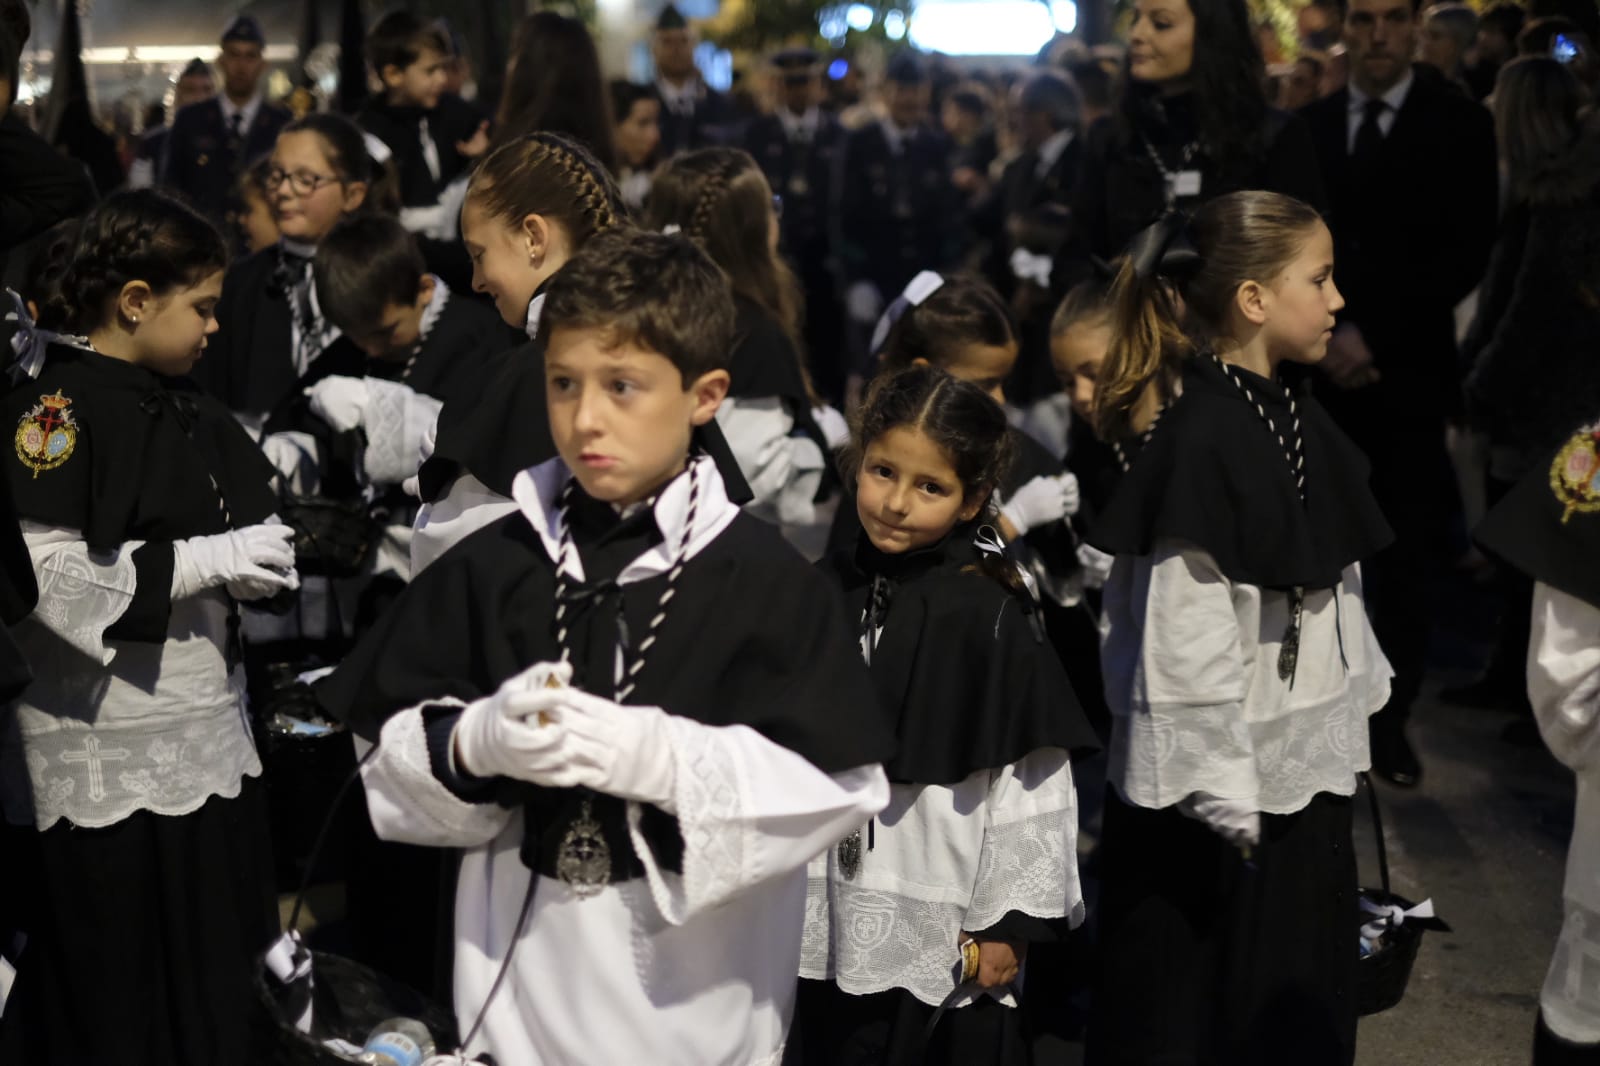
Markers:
<point>408,801</point>
<point>1162,753</point>
<point>398,423</point>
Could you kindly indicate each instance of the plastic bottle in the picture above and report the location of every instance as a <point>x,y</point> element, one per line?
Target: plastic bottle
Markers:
<point>398,1042</point>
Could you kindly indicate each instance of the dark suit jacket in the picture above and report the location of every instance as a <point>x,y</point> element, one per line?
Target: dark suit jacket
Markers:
<point>202,166</point>
<point>1413,238</point>
<point>803,175</point>
<point>1021,195</point>
<point>896,215</point>
<point>711,122</point>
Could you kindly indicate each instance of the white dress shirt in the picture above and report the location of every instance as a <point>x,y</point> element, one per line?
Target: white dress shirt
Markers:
<point>1394,98</point>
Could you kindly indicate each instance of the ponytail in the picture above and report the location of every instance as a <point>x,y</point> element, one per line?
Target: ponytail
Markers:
<point>1196,265</point>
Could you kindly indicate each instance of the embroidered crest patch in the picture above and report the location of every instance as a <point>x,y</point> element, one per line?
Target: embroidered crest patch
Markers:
<point>47,434</point>
<point>1575,474</point>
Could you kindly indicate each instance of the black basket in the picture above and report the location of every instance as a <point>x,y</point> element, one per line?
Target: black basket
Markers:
<point>348,999</point>
<point>348,1002</point>
<point>1382,975</point>
<point>332,538</point>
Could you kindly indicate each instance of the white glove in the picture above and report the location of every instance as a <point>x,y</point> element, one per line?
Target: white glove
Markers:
<point>251,563</point>
<point>863,302</point>
<point>505,735</point>
<point>614,748</point>
<point>412,486</point>
<point>1236,821</point>
<point>835,430</point>
<point>1042,501</point>
<point>339,401</point>
<point>1096,566</point>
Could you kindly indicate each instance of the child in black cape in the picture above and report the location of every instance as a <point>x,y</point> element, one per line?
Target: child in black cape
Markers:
<point>934,903</point>
<point>532,205</point>
<point>434,137</point>
<point>1239,663</point>
<point>634,707</point>
<point>779,432</point>
<point>419,344</point>
<point>1548,527</point>
<point>148,514</point>
<point>271,327</point>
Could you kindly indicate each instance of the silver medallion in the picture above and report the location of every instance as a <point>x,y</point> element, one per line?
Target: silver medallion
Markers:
<point>584,861</point>
<point>850,855</point>
<point>1289,651</point>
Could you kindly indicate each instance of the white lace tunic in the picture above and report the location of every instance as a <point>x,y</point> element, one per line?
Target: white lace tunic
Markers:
<point>945,859</point>
<point>1191,676</point>
<point>1564,686</point>
<point>111,727</point>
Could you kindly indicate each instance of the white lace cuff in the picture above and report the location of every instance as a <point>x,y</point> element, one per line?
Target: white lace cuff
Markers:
<point>399,422</point>
<point>409,804</point>
<point>81,593</point>
<point>1029,866</point>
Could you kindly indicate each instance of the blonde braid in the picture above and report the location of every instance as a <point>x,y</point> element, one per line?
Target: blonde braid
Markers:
<point>596,194</point>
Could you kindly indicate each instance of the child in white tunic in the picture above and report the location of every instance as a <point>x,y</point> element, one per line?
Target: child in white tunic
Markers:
<point>1240,668</point>
<point>632,706</point>
<point>976,853</point>
<point>1548,527</point>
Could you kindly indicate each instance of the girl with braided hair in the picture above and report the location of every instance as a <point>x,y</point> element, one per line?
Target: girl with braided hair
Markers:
<point>976,855</point>
<point>779,432</point>
<point>1240,667</point>
<point>148,515</point>
<point>531,206</point>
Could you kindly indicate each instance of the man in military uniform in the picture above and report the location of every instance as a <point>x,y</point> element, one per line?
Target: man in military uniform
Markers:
<point>212,141</point>
<point>898,212</point>
<point>798,146</point>
<point>194,85</point>
<point>693,114</point>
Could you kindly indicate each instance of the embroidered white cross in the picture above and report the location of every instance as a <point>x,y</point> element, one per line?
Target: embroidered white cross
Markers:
<point>93,756</point>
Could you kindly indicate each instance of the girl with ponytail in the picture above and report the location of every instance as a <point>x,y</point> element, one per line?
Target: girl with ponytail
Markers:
<point>1240,667</point>
<point>779,432</point>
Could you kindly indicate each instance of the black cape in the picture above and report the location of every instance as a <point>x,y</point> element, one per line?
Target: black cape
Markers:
<point>151,458</point>
<point>501,427</point>
<point>1212,475</point>
<point>753,637</point>
<point>1548,525</point>
<point>962,666</point>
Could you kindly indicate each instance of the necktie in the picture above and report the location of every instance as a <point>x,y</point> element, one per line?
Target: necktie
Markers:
<point>1369,135</point>
<point>236,136</point>
<point>430,151</point>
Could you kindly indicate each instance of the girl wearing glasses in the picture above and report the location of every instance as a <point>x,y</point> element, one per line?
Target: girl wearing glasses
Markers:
<point>272,329</point>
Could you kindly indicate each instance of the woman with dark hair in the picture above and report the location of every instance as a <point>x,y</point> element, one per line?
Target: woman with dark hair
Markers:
<point>636,110</point>
<point>1532,377</point>
<point>1192,123</point>
<point>553,85</point>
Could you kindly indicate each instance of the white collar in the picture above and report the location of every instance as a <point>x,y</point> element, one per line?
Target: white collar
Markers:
<point>1050,151</point>
<point>1395,97</point>
<point>300,248</point>
<point>248,109</point>
<point>535,310</point>
<point>435,308</point>
<point>806,122</point>
<point>537,492</point>
<point>680,97</point>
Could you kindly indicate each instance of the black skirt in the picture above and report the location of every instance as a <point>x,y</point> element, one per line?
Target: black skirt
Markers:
<point>834,1028</point>
<point>142,940</point>
<point>1206,960</point>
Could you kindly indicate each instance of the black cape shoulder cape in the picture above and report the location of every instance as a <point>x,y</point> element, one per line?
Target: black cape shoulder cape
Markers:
<point>1548,526</point>
<point>151,458</point>
<point>1213,475</point>
<point>753,637</point>
<point>501,426</point>
<point>961,667</point>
